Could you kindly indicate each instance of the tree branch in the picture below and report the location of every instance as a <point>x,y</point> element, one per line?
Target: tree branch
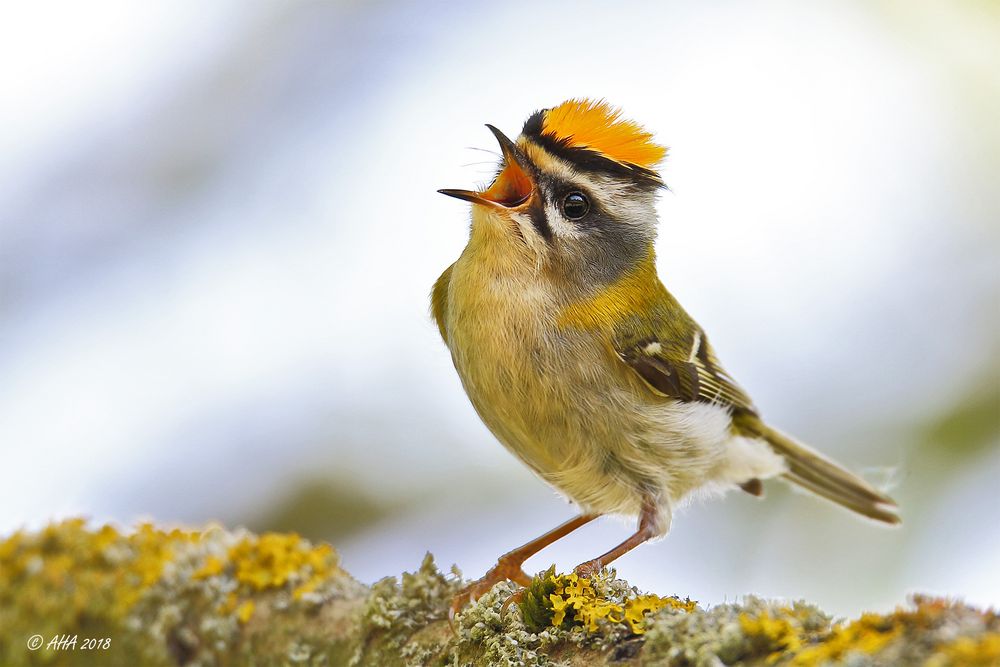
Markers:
<point>98,596</point>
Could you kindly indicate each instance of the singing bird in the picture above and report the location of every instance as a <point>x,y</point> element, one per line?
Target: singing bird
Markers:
<point>580,361</point>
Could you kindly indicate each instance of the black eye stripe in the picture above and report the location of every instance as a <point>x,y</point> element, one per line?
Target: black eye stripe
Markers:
<point>536,212</point>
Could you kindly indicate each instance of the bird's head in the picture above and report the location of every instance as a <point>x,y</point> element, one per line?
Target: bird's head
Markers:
<point>574,195</point>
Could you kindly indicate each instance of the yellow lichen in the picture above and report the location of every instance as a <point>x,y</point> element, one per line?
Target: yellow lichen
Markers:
<point>85,564</point>
<point>270,561</point>
<point>969,652</point>
<point>273,559</point>
<point>873,634</point>
<point>230,604</point>
<point>213,566</point>
<point>636,609</point>
<point>245,611</point>
<point>868,635</point>
<point>777,635</point>
<point>559,604</point>
<point>68,571</point>
<point>574,597</point>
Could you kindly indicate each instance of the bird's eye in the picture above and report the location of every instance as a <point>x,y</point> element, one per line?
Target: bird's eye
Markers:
<point>575,205</point>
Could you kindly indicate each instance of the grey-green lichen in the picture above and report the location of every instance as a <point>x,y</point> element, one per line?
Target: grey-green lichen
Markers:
<point>931,631</point>
<point>397,617</point>
<point>730,633</point>
<point>219,597</point>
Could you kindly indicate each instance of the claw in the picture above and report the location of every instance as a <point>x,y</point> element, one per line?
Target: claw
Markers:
<point>503,571</point>
<point>463,597</point>
<point>513,598</point>
<point>508,566</point>
<point>589,569</point>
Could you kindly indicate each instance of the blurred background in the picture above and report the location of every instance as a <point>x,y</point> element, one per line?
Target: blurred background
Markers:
<point>219,230</point>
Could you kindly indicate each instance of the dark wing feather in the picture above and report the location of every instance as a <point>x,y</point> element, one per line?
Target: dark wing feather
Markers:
<point>677,380</point>
<point>671,354</point>
<point>717,386</point>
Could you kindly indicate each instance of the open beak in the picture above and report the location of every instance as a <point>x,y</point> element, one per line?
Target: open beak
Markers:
<point>512,186</point>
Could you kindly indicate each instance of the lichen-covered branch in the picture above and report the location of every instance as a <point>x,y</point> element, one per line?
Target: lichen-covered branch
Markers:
<point>77,595</point>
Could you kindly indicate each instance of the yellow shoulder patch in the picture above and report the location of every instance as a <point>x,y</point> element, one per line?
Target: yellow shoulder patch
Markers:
<point>600,127</point>
<point>635,293</point>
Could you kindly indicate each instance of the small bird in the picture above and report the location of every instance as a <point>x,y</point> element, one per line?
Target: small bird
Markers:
<point>580,361</point>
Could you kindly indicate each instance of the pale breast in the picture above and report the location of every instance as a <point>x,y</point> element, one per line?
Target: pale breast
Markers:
<point>555,398</point>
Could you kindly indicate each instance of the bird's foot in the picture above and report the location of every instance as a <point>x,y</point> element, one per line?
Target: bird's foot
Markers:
<point>589,569</point>
<point>513,598</point>
<point>506,569</point>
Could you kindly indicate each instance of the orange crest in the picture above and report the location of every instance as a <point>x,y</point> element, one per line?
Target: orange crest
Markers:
<point>599,127</point>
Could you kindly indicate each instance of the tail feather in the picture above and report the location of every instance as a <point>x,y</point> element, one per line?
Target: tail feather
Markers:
<point>880,511</point>
<point>818,474</point>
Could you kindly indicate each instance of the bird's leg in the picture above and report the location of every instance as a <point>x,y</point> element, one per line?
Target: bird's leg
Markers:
<point>648,529</point>
<point>509,565</point>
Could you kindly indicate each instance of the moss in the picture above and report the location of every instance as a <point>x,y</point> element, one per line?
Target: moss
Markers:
<point>536,604</point>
